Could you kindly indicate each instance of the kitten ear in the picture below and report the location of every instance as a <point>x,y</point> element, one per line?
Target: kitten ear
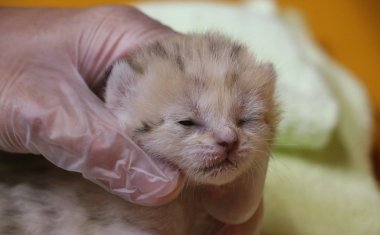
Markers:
<point>269,70</point>
<point>268,77</point>
<point>121,84</point>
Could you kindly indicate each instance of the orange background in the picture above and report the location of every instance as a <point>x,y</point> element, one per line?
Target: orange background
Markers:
<point>348,29</point>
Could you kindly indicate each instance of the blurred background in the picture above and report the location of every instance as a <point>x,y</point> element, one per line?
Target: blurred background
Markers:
<point>349,30</point>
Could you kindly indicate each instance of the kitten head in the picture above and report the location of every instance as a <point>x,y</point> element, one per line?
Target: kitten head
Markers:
<point>200,102</point>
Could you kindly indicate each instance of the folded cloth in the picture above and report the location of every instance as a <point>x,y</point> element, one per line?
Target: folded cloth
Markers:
<point>319,180</point>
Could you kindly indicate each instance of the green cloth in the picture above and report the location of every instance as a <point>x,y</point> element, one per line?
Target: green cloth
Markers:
<point>319,180</point>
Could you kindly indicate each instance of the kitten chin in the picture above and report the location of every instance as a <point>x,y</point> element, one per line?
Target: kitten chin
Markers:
<point>201,102</point>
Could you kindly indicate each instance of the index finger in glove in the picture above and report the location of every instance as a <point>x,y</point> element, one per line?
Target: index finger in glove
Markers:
<point>250,227</point>
<point>236,202</point>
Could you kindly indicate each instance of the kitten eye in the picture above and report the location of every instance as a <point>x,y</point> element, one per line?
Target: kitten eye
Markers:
<point>249,120</point>
<point>243,121</point>
<point>187,122</point>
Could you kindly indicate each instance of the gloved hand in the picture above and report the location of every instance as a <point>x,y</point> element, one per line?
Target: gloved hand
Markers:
<point>51,61</point>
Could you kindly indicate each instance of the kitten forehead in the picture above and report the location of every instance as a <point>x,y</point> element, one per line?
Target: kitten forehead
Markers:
<point>207,74</point>
<point>200,57</point>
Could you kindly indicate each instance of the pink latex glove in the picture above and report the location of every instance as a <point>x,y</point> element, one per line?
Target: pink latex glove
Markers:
<point>51,61</point>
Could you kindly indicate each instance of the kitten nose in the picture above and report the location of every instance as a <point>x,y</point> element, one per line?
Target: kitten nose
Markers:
<point>227,139</point>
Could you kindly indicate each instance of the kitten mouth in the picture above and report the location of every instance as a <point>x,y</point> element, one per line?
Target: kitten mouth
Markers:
<point>219,167</point>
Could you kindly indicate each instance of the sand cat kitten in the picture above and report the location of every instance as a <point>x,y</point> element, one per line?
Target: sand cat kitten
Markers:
<point>200,102</point>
